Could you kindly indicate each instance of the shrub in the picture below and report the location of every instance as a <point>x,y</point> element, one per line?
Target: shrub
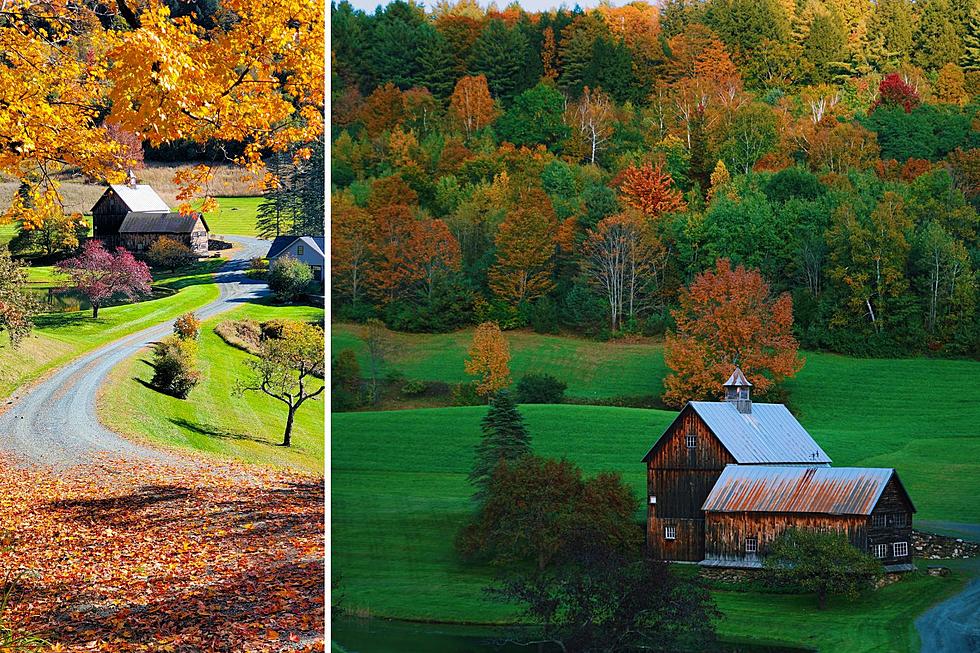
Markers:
<point>169,254</point>
<point>288,278</point>
<point>346,380</point>
<point>465,394</point>
<point>258,268</point>
<point>187,326</point>
<point>175,366</point>
<point>540,389</point>
<point>414,388</point>
<point>243,334</point>
<point>273,328</point>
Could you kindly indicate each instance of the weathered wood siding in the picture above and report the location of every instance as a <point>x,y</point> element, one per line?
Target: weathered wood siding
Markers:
<point>725,533</point>
<point>680,477</point>
<point>141,242</point>
<point>107,215</point>
<point>896,510</point>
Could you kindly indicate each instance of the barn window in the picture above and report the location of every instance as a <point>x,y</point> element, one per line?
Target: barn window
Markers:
<point>670,532</point>
<point>900,549</point>
<point>299,250</point>
<point>692,441</point>
<point>751,545</point>
<point>878,521</point>
<point>880,550</point>
<point>653,499</point>
<point>901,519</point>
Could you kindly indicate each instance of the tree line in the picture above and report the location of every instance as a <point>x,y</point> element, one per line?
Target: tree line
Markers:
<point>573,171</point>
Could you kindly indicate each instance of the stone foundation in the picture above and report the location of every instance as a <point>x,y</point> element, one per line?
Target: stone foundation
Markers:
<point>929,546</point>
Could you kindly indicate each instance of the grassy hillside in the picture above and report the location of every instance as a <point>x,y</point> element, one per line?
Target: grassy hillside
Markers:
<point>59,337</point>
<point>213,419</point>
<point>235,216</point>
<point>399,493</point>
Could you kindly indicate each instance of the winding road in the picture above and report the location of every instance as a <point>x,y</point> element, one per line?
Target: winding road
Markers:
<point>54,422</point>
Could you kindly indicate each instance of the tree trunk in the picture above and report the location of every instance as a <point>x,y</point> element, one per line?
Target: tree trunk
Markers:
<point>821,599</point>
<point>286,437</point>
<point>95,310</point>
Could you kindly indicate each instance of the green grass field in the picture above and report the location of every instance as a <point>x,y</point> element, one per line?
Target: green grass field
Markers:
<point>399,493</point>
<point>59,337</point>
<point>235,216</point>
<point>213,420</point>
<point>399,490</point>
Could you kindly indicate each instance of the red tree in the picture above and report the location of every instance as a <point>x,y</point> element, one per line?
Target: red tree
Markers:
<point>727,317</point>
<point>896,92</point>
<point>649,189</point>
<point>100,275</point>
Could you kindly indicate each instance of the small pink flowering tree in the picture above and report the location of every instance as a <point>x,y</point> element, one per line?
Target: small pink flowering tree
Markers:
<point>100,275</point>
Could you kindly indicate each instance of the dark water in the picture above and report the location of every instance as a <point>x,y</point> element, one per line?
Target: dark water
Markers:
<point>67,300</point>
<point>384,636</point>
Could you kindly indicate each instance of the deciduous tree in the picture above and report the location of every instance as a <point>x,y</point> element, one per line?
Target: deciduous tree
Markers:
<point>471,104</point>
<point>489,359</point>
<point>525,250</point>
<point>650,190</point>
<point>351,230</point>
<point>433,253</point>
<point>100,275</point>
<point>17,306</point>
<point>728,317</point>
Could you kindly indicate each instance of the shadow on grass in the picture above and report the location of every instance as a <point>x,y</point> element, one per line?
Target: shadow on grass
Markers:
<point>213,432</point>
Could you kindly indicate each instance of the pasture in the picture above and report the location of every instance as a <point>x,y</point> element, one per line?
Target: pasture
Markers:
<point>235,216</point>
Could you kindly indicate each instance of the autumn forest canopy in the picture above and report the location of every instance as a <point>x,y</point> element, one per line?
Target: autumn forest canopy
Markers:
<point>574,171</point>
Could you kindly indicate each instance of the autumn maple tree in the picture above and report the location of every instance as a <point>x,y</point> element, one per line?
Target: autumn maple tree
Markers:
<point>649,189</point>
<point>490,359</point>
<point>92,71</point>
<point>471,103</point>
<point>100,275</point>
<point>728,317</point>
<point>525,250</point>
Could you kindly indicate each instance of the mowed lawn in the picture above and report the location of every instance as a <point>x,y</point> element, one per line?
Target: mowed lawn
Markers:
<point>59,337</point>
<point>399,494</point>
<point>214,419</point>
<point>235,216</point>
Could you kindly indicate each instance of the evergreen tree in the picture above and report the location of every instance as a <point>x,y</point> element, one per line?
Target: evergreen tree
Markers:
<point>937,42</point>
<point>505,438</point>
<point>891,31</point>
<point>396,36</point>
<point>277,213</point>
<point>971,44</point>
<point>824,45</point>
<point>499,54</point>
<point>611,69</point>
<point>436,64</point>
<point>310,194</point>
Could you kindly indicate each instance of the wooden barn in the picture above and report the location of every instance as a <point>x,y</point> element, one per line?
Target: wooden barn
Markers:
<point>710,442</point>
<point>133,216</point>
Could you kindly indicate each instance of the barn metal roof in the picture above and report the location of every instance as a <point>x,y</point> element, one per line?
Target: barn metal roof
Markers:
<point>826,490</point>
<point>737,378</point>
<point>140,198</point>
<point>160,223</point>
<point>769,434</point>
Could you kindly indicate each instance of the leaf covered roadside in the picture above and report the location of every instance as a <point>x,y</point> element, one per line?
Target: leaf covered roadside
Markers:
<point>118,556</point>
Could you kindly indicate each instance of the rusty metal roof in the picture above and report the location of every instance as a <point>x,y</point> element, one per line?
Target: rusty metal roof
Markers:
<point>771,488</point>
<point>160,223</point>
<point>768,435</point>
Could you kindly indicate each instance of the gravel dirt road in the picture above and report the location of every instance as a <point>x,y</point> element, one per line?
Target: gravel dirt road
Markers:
<point>55,423</point>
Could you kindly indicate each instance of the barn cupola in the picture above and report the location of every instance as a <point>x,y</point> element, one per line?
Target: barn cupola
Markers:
<point>131,179</point>
<point>737,392</point>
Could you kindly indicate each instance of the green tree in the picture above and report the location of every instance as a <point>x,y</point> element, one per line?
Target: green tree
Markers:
<point>436,65</point>
<point>535,117</point>
<point>17,307</point>
<point>498,54</point>
<point>505,438</point>
<point>936,39</point>
<point>824,46</point>
<point>822,563</point>
<point>175,366</point>
<point>311,193</point>
<point>745,25</point>
<point>396,33</point>
<point>891,31</point>
<point>749,136</point>
<point>288,368</point>
<point>288,278</point>
<point>970,61</point>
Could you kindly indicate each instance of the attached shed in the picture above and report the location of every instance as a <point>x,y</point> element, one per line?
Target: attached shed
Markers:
<point>750,506</point>
<point>139,230</point>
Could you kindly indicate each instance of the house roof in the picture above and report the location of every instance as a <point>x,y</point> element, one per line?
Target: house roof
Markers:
<point>140,197</point>
<point>825,490</point>
<point>283,242</point>
<point>768,435</point>
<point>160,223</point>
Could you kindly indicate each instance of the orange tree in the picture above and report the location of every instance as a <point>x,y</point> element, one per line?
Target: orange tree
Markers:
<point>728,317</point>
<point>73,74</point>
<point>490,359</point>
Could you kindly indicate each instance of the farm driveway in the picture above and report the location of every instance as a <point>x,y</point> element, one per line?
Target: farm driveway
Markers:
<point>54,422</point>
<point>953,626</point>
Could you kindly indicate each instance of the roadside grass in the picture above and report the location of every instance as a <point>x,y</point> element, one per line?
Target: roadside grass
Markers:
<point>59,337</point>
<point>917,415</point>
<point>234,216</point>
<point>213,419</point>
<point>399,494</point>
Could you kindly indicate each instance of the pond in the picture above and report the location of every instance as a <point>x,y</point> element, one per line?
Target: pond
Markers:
<point>387,636</point>
<point>67,300</point>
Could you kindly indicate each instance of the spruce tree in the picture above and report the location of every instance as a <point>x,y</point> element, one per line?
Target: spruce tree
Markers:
<point>970,61</point>
<point>276,214</point>
<point>310,192</point>
<point>505,438</point>
<point>499,53</point>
